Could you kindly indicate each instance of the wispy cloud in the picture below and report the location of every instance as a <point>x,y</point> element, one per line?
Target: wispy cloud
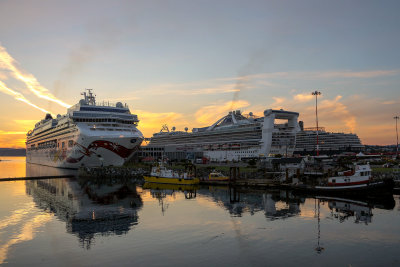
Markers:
<point>356,74</point>
<point>8,63</point>
<point>18,96</point>
<point>209,114</point>
<point>192,89</point>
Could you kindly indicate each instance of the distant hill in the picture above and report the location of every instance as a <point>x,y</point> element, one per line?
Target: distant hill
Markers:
<point>10,152</point>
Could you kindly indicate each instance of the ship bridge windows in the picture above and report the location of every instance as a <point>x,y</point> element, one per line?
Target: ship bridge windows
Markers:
<point>102,109</point>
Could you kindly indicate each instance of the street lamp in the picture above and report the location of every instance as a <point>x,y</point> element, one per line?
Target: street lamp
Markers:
<point>397,137</point>
<point>316,93</point>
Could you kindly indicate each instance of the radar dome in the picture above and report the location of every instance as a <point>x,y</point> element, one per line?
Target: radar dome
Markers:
<point>173,128</point>
<point>82,102</point>
<point>186,129</point>
<point>251,114</point>
<point>119,105</point>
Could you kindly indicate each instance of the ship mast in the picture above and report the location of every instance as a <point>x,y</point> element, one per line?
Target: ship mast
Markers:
<point>89,97</point>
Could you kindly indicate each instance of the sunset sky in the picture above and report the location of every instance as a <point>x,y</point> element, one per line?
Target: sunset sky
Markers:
<point>186,63</point>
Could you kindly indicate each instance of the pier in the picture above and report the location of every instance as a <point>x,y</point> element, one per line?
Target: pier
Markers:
<point>35,178</point>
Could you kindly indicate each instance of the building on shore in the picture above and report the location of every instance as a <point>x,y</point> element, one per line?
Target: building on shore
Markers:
<point>233,137</point>
<point>328,142</point>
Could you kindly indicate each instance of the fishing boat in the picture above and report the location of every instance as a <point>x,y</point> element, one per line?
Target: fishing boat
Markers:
<point>359,178</point>
<point>160,174</point>
<point>217,176</point>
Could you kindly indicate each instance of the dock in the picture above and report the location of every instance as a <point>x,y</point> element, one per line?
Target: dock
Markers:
<point>35,178</point>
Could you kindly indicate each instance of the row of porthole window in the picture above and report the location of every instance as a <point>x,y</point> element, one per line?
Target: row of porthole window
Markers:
<point>104,120</point>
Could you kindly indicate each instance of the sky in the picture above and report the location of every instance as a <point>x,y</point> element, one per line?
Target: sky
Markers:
<point>188,63</point>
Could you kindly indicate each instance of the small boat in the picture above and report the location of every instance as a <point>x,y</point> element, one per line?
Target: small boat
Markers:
<point>217,176</point>
<point>357,179</point>
<point>160,174</point>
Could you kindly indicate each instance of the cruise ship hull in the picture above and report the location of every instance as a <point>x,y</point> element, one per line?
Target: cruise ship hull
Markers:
<point>88,151</point>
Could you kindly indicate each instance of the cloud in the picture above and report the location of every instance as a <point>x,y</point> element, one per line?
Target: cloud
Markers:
<point>278,101</point>
<point>192,89</point>
<point>356,74</point>
<point>18,96</point>
<point>151,122</point>
<point>8,63</point>
<point>332,113</point>
<point>209,114</point>
<point>390,102</point>
<point>303,97</point>
<point>10,132</point>
<point>335,110</point>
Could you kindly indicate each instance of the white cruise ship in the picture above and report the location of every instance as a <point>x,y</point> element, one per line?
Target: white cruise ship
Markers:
<point>328,142</point>
<point>90,134</point>
<point>233,137</point>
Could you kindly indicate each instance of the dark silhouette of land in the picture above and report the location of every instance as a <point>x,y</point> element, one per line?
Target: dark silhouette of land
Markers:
<point>12,152</point>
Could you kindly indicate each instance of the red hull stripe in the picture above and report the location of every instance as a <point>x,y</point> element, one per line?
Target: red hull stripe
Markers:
<point>344,184</point>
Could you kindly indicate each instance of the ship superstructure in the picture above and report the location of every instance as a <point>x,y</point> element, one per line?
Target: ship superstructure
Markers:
<point>328,142</point>
<point>233,137</point>
<point>90,134</point>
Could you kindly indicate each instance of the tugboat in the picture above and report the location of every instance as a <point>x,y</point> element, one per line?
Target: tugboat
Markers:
<point>160,174</point>
<point>357,179</point>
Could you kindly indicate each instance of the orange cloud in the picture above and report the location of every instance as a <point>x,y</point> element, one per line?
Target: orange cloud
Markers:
<point>151,122</point>
<point>332,113</point>
<point>209,114</point>
<point>278,101</point>
<point>336,110</point>
<point>303,97</point>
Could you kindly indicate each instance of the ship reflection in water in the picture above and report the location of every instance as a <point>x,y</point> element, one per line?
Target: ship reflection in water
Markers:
<point>360,210</point>
<point>112,220</point>
<point>274,204</point>
<point>88,207</point>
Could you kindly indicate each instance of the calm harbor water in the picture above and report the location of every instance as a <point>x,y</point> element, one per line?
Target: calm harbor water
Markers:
<point>107,222</point>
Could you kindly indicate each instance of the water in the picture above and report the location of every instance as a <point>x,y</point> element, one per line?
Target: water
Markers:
<point>109,222</point>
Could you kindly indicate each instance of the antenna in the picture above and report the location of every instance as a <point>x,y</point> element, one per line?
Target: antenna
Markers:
<point>90,98</point>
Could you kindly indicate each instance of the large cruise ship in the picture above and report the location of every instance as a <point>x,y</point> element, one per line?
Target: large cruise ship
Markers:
<point>328,142</point>
<point>90,134</point>
<point>233,137</point>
